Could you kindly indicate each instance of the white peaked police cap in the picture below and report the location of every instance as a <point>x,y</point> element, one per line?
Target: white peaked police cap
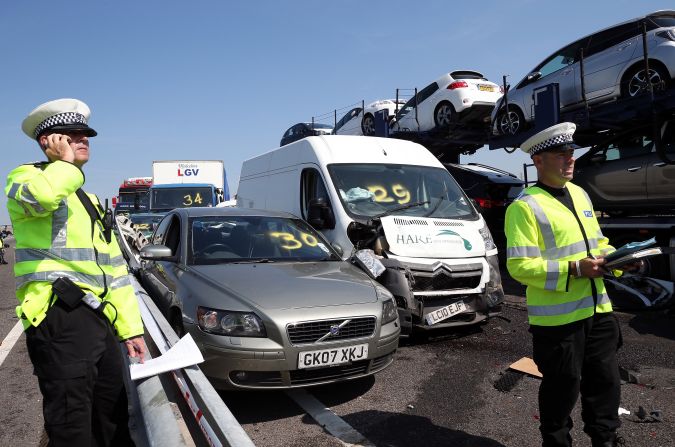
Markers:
<point>58,115</point>
<point>550,138</point>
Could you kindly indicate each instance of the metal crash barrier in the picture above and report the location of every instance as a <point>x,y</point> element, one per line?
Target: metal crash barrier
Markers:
<point>152,419</point>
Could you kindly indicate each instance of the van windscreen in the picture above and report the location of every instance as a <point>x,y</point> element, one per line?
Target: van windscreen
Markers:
<point>369,190</point>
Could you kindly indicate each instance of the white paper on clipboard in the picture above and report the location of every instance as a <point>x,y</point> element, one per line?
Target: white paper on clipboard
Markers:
<point>182,354</point>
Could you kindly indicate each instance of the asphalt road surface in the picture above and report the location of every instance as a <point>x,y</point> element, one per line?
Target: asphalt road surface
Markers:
<point>440,391</point>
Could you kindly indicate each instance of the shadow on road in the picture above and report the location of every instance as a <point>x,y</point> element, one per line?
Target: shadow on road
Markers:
<point>277,405</point>
<point>251,407</point>
<point>396,429</point>
<point>659,324</point>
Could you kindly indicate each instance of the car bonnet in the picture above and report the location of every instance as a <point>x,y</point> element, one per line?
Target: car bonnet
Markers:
<point>289,285</point>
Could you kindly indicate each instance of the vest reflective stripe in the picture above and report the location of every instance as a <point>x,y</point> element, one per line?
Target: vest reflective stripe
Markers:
<point>60,225</point>
<point>544,224</point>
<point>12,195</point>
<point>57,254</point>
<point>25,196</point>
<point>569,250</point>
<point>120,282</point>
<point>566,308</point>
<point>523,252</point>
<point>51,276</point>
<point>552,275</point>
<point>67,254</point>
<point>12,190</point>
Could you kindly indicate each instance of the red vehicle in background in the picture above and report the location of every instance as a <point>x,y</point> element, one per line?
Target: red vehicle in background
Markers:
<point>133,196</point>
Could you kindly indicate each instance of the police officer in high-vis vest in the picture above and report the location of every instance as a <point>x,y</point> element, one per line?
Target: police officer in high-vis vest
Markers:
<point>556,248</point>
<point>76,300</point>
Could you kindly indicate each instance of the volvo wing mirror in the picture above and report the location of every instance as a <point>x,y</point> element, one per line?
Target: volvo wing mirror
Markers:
<point>156,252</point>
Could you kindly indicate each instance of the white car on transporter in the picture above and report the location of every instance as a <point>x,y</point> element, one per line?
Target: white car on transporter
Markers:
<point>462,96</point>
<point>361,121</point>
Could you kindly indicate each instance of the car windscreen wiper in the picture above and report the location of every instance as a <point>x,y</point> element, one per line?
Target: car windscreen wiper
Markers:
<point>433,210</point>
<point>254,261</point>
<point>399,208</point>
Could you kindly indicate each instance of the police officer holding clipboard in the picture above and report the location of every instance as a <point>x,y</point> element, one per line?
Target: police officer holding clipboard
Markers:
<point>556,248</point>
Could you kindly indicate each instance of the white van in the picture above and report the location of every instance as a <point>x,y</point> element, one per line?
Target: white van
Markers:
<point>394,197</point>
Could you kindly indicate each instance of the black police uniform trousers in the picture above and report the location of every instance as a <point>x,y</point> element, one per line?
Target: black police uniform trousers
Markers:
<point>78,363</point>
<point>573,358</point>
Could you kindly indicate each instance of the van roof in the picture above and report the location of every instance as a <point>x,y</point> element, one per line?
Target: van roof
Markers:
<point>329,149</point>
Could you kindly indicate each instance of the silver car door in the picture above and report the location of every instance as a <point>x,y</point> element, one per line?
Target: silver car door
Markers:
<point>661,176</point>
<point>606,57</point>
<point>621,178</point>
<point>564,77</point>
<point>560,68</point>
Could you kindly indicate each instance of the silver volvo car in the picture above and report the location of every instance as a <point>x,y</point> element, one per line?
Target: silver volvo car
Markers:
<point>267,299</point>
<point>613,68</point>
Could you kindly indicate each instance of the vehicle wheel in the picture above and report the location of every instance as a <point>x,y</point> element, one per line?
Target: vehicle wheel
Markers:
<point>176,323</point>
<point>444,115</point>
<point>512,123</point>
<point>635,82</point>
<point>368,125</point>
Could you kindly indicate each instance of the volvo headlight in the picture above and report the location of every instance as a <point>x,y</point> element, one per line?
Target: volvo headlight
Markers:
<point>487,238</point>
<point>389,311</point>
<point>226,322</point>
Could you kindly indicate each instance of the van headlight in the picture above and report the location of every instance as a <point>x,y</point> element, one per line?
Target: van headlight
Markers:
<point>389,311</point>
<point>487,238</point>
<point>494,289</point>
<point>226,322</point>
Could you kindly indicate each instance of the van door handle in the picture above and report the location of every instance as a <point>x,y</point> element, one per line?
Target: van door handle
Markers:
<point>623,47</point>
<point>634,169</point>
<point>566,72</point>
<point>660,164</point>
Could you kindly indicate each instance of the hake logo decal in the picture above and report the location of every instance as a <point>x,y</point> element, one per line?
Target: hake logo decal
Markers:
<point>467,244</point>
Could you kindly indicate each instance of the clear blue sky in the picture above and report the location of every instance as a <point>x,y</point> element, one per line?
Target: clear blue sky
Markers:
<point>224,79</point>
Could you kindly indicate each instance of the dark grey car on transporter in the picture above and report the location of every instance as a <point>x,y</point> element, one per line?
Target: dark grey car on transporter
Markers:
<point>267,299</point>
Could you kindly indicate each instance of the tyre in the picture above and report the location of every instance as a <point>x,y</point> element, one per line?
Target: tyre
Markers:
<point>635,83</point>
<point>368,125</point>
<point>176,322</point>
<point>444,115</point>
<point>512,123</point>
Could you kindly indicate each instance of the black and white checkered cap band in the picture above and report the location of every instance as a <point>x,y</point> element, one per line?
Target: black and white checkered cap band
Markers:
<point>60,119</point>
<point>552,142</point>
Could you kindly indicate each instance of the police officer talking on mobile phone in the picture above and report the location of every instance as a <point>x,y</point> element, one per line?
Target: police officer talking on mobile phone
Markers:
<point>76,301</point>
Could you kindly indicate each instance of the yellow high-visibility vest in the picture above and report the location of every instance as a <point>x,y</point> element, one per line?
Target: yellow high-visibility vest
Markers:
<point>53,233</point>
<point>542,237</point>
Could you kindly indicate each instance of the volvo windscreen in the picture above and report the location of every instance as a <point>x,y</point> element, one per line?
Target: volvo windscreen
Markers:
<point>246,239</point>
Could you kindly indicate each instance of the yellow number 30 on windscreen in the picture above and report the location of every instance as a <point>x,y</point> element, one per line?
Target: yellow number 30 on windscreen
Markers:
<point>292,243</point>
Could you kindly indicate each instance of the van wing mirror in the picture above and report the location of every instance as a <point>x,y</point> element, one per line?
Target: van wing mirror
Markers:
<point>533,76</point>
<point>320,214</point>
